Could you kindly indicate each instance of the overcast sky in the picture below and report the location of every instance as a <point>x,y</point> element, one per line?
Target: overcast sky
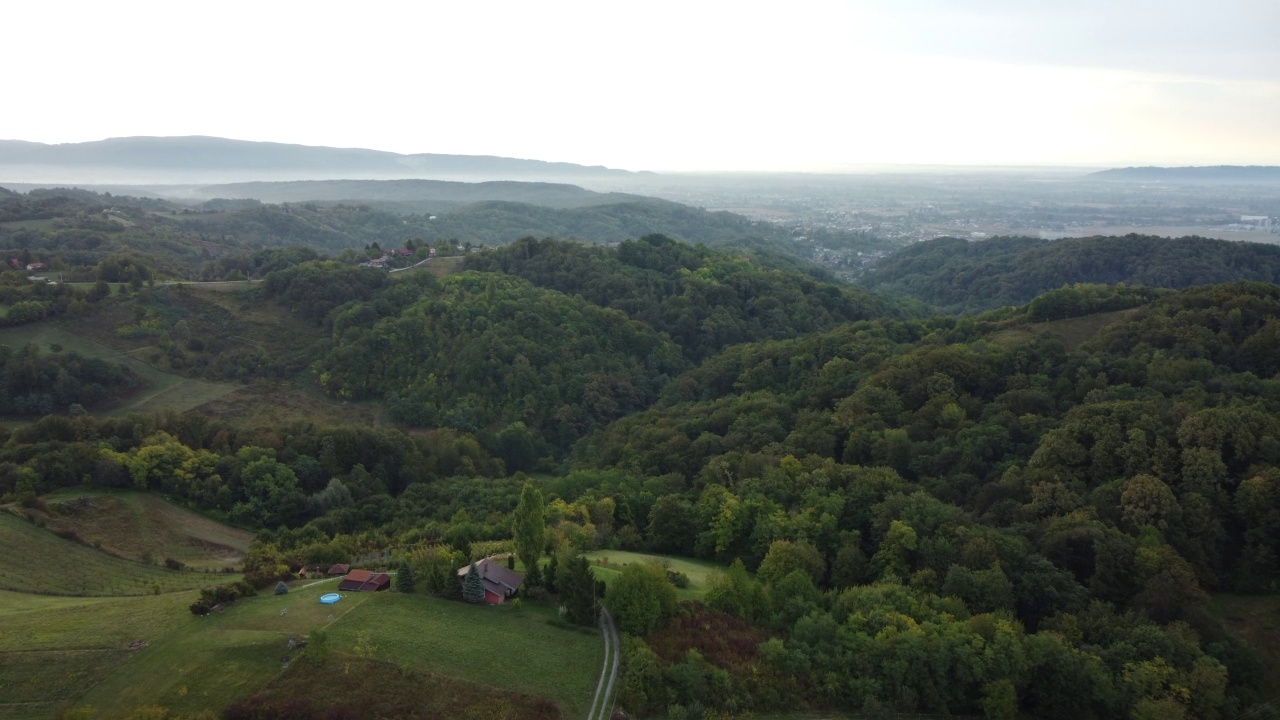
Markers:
<point>691,85</point>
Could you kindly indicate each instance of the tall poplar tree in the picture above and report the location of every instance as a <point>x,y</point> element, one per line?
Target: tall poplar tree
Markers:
<point>529,528</point>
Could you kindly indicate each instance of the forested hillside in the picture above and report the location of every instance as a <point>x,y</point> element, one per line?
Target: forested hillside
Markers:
<point>483,350</point>
<point>72,231</point>
<point>704,299</point>
<point>1034,511</point>
<point>965,276</point>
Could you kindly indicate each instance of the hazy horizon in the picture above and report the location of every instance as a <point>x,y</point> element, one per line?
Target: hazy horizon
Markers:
<point>819,87</point>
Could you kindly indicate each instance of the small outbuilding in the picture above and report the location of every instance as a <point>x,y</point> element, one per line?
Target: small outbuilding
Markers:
<point>365,581</point>
<point>339,569</point>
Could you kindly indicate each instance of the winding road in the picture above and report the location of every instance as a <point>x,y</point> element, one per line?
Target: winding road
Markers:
<point>601,706</point>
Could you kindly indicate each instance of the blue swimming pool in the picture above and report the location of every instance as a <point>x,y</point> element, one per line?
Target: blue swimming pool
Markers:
<point>330,598</point>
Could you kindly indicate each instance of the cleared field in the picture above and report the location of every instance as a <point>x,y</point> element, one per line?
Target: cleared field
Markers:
<point>208,663</point>
<point>53,649</point>
<point>34,560</point>
<point>440,267</point>
<point>1072,331</point>
<point>44,224</point>
<point>164,391</point>
<point>495,646</point>
<point>606,565</point>
<point>77,650</point>
<point>134,525</point>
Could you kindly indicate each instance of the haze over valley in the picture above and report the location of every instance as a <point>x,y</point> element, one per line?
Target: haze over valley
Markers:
<point>702,361</point>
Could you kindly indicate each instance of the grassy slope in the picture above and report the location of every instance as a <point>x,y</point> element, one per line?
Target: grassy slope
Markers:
<point>1072,331</point>
<point>74,650</point>
<point>607,563</point>
<point>164,391</point>
<point>132,524</point>
<point>54,649</point>
<point>35,560</point>
<point>207,663</point>
<point>494,645</point>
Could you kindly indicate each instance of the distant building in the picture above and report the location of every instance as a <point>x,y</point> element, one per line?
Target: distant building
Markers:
<point>35,266</point>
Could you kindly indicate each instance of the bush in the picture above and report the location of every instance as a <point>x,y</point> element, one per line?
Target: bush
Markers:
<point>174,564</point>
<point>281,588</point>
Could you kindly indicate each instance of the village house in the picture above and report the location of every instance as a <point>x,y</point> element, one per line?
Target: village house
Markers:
<point>500,582</point>
<point>365,581</point>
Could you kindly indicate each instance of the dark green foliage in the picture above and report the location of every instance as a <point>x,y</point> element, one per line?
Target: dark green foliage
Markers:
<point>640,597</point>
<point>313,289</point>
<point>32,384</point>
<point>529,530</point>
<point>704,299</point>
<point>960,275</point>
<point>472,586</point>
<point>405,580</point>
<point>577,588</point>
<point>487,349</point>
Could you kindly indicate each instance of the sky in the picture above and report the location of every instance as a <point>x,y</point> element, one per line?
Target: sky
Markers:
<point>666,86</point>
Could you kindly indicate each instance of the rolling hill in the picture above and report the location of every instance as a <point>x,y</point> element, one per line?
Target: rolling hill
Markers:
<point>960,275</point>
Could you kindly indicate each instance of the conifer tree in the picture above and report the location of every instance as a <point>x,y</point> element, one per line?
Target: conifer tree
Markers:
<point>404,577</point>
<point>472,587</point>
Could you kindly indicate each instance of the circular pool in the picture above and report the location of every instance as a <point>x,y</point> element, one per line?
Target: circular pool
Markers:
<point>330,598</point>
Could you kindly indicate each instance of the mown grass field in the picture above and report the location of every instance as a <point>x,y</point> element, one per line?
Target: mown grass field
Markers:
<point>67,651</point>
<point>34,560</point>
<point>497,646</point>
<point>607,564</point>
<point>164,391</point>
<point>136,525</point>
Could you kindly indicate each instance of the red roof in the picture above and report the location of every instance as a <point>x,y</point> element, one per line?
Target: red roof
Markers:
<point>365,581</point>
<point>339,569</point>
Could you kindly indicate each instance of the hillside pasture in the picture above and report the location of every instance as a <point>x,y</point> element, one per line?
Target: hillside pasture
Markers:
<point>493,645</point>
<point>607,564</point>
<point>135,525</point>
<point>210,662</point>
<point>371,688</point>
<point>53,649</point>
<point>77,650</point>
<point>35,560</point>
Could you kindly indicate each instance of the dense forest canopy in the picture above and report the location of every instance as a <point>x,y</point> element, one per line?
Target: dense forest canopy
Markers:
<point>965,276</point>
<point>705,299</point>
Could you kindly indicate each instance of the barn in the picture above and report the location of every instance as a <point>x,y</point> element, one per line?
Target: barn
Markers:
<point>365,581</point>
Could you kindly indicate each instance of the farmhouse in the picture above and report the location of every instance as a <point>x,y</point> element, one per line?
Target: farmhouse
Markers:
<point>500,582</point>
<point>365,581</point>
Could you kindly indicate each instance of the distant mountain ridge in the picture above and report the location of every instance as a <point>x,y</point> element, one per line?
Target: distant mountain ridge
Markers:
<point>1211,173</point>
<point>202,159</point>
<point>420,195</point>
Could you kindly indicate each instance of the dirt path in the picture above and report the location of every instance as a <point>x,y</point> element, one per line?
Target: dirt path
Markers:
<point>609,671</point>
